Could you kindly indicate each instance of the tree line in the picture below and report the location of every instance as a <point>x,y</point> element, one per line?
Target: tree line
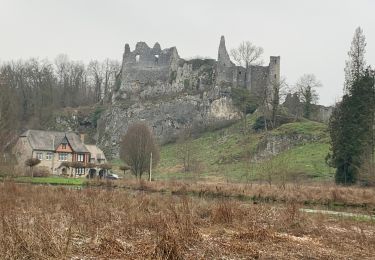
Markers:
<point>32,89</point>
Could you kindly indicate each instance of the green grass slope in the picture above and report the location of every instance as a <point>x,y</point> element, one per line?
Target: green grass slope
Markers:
<point>227,155</point>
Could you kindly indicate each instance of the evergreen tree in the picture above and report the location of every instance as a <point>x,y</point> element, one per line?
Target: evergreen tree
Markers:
<point>351,129</point>
<point>355,66</point>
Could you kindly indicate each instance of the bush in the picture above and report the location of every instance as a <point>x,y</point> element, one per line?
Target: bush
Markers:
<point>41,171</point>
<point>259,124</point>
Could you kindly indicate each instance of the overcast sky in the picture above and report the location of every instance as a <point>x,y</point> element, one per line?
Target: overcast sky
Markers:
<point>310,36</point>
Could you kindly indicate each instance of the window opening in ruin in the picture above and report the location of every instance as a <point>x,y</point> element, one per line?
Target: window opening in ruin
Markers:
<point>156,59</point>
<point>137,58</point>
<point>275,61</point>
<point>239,72</point>
<point>275,76</point>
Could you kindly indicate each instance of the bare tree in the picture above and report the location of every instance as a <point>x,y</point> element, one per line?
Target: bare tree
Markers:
<point>31,90</point>
<point>306,88</point>
<point>103,75</point>
<point>247,54</point>
<point>111,69</point>
<point>186,150</point>
<point>278,92</point>
<point>136,148</point>
<point>9,114</point>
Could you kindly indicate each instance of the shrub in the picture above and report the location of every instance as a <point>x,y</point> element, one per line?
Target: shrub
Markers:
<point>41,171</point>
<point>260,123</point>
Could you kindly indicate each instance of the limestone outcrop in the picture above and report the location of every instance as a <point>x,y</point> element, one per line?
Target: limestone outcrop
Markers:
<point>169,93</point>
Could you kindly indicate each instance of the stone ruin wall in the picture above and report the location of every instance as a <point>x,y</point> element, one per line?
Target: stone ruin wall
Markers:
<point>152,72</point>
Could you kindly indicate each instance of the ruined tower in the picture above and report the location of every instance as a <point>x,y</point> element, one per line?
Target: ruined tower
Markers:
<point>223,58</point>
<point>255,78</point>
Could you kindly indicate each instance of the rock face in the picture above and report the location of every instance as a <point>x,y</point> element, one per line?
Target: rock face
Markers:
<point>169,93</point>
<point>274,144</point>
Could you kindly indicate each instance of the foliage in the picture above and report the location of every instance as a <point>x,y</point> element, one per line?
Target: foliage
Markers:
<point>105,166</point>
<point>351,130</point>
<point>186,83</point>
<point>197,63</point>
<point>77,165</point>
<point>90,165</point>
<point>124,168</point>
<point>306,88</point>
<point>31,162</point>
<point>226,153</point>
<point>243,100</point>
<point>262,123</point>
<point>41,172</point>
<point>136,148</point>
<point>355,66</point>
<point>96,115</point>
<point>172,76</point>
<point>66,164</point>
<point>305,127</point>
<point>53,180</point>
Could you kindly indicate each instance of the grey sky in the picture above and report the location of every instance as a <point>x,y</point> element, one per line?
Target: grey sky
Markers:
<point>310,36</point>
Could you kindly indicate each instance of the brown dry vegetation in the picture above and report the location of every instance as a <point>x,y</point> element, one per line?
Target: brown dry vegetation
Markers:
<point>40,222</point>
<point>311,194</point>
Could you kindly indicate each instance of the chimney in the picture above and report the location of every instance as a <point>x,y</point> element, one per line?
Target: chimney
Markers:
<point>82,136</point>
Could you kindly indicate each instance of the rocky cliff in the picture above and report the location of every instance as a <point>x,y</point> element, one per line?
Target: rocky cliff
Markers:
<point>169,93</point>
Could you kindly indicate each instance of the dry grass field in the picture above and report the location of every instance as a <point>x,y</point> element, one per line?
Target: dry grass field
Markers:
<point>41,222</point>
<point>352,198</point>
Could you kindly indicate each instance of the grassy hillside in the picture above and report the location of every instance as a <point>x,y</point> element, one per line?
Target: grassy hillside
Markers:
<point>227,155</point>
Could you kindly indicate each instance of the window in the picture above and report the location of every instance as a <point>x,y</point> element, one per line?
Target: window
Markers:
<point>49,156</point>
<point>63,157</point>
<point>156,59</point>
<point>80,171</point>
<point>239,72</point>
<point>63,146</point>
<point>80,157</point>
<point>137,58</point>
<point>39,156</point>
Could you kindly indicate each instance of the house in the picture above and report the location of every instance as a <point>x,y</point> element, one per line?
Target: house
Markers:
<point>55,149</point>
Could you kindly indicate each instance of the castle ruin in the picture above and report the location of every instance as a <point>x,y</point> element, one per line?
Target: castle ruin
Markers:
<point>151,72</point>
<point>170,94</point>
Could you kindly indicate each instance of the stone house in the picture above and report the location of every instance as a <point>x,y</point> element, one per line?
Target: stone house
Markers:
<point>54,148</point>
